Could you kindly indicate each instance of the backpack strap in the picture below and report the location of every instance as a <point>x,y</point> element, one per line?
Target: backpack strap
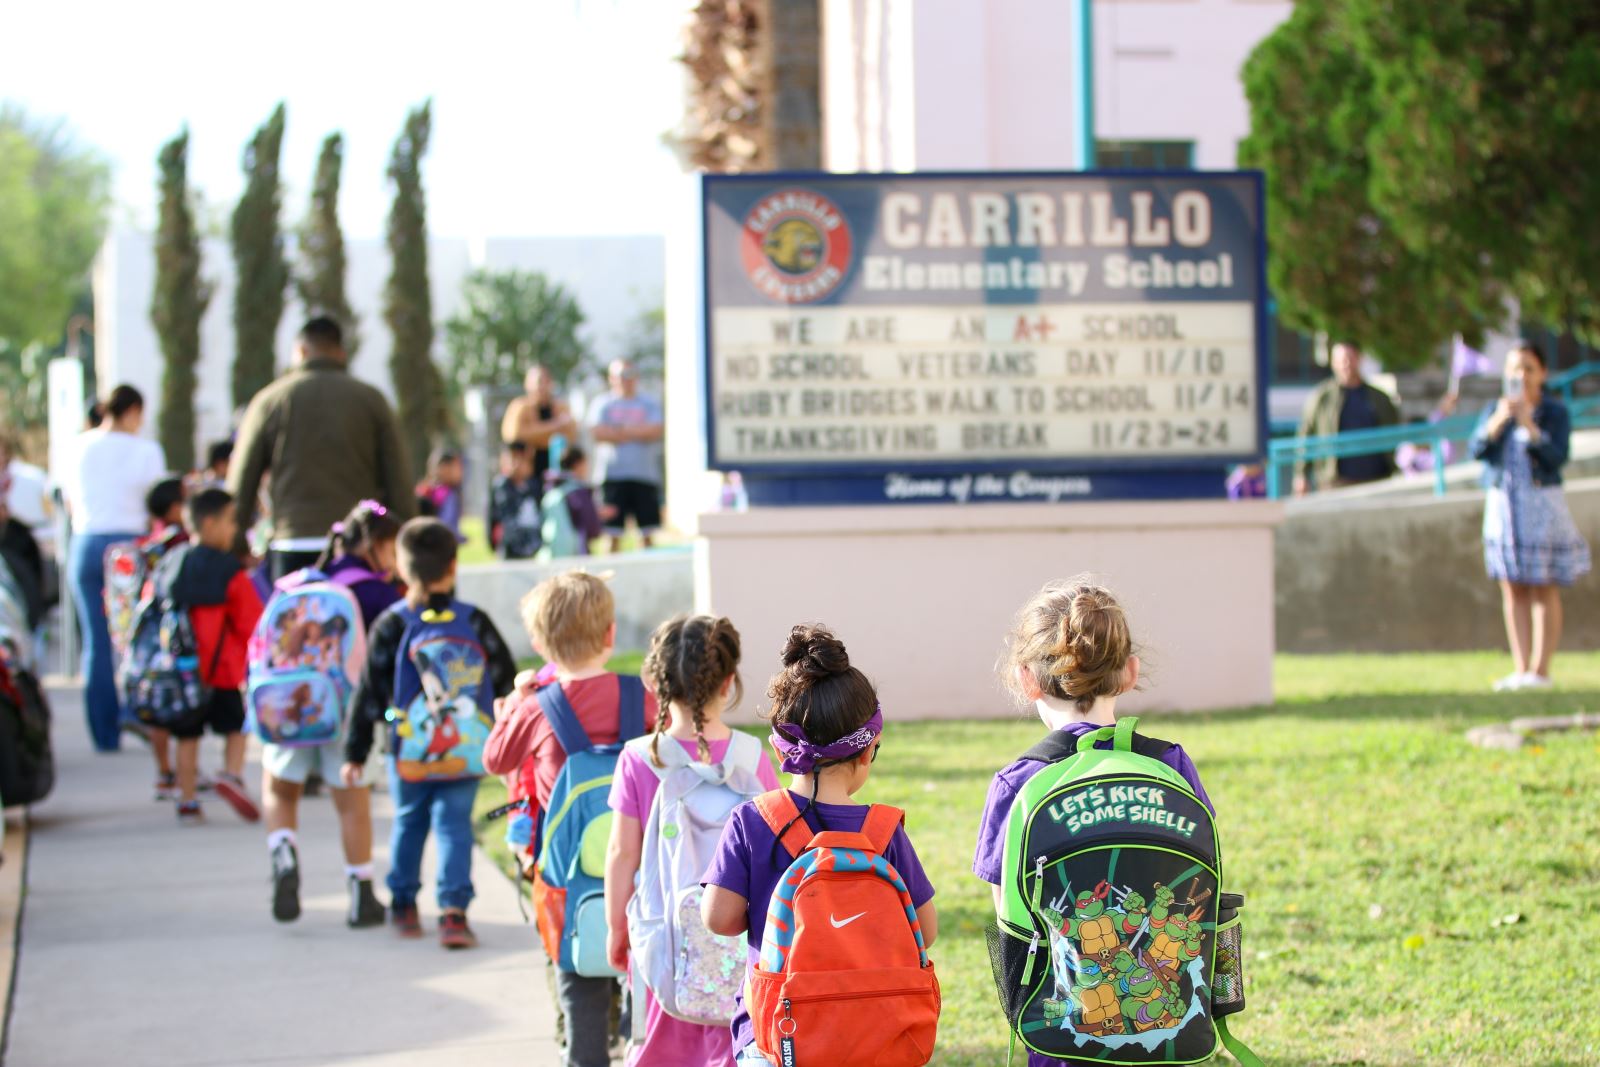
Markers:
<point>880,824</point>
<point>570,734</point>
<point>1060,743</point>
<point>1238,1049</point>
<point>778,809</point>
<point>630,707</point>
<point>744,753</point>
<point>351,577</point>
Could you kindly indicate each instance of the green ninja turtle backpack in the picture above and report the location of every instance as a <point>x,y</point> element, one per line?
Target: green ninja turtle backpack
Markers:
<point>1107,945</point>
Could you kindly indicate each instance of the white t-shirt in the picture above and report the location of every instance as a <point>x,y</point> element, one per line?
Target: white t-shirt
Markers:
<point>113,472</point>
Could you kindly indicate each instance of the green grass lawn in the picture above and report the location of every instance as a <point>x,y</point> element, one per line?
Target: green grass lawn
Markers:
<point>1411,899</point>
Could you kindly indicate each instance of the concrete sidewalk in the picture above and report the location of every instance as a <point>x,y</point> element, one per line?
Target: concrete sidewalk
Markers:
<point>147,943</point>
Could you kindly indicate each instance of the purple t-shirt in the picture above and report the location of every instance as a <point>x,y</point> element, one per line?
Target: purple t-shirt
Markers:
<point>373,592</point>
<point>989,860</point>
<point>749,861</point>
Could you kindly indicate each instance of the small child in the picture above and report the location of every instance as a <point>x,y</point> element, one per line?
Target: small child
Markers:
<point>219,457</point>
<point>427,560</point>
<point>693,665</point>
<point>571,517</point>
<point>361,552</point>
<point>206,579</point>
<point>572,620</point>
<point>439,495</point>
<point>164,504</point>
<point>827,725</point>
<point>514,505</point>
<point>1071,656</point>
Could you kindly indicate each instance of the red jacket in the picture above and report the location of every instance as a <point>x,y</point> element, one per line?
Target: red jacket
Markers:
<point>223,609</point>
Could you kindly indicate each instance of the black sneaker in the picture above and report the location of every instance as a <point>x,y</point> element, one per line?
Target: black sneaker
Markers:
<point>364,907</point>
<point>285,883</point>
<point>166,786</point>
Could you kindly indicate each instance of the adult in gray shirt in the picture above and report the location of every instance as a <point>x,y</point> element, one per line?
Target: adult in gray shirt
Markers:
<point>627,430</point>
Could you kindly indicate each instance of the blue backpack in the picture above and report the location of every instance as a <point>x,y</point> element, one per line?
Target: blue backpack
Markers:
<point>443,696</point>
<point>569,884</point>
<point>561,538</point>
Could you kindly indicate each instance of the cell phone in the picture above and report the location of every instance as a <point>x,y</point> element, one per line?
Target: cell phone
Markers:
<point>1513,388</point>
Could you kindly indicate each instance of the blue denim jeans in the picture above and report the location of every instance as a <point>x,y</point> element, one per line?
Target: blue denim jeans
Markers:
<point>446,807</point>
<point>86,572</point>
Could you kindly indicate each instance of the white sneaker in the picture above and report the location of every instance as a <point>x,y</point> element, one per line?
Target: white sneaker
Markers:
<point>1510,683</point>
<point>1535,681</point>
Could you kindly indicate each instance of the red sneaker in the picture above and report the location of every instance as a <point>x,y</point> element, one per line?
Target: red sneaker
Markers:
<point>454,931</point>
<point>231,789</point>
<point>403,917</point>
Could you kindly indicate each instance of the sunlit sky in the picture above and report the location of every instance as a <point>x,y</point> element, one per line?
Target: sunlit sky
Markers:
<point>548,114</point>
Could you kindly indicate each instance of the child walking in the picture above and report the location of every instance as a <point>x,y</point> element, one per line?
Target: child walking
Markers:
<point>427,560</point>
<point>164,504</point>
<point>572,620</point>
<point>1071,656</point>
<point>360,557</point>
<point>693,665</point>
<point>204,578</point>
<point>828,727</point>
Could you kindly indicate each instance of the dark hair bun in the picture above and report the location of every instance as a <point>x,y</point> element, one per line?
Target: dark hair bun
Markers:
<point>812,652</point>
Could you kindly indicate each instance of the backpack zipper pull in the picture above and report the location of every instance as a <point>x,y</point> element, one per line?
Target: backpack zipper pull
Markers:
<point>786,1030</point>
<point>1033,945</point>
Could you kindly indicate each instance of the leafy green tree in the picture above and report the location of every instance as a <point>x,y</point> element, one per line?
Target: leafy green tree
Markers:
<point>1486,153</point>
<point>1427,161</point>
<point>508,321</point>
<point>321,280</point>
<point>407,304</point>
<point>261,270</point>
<point>178,303</point>
<point>54,196</point>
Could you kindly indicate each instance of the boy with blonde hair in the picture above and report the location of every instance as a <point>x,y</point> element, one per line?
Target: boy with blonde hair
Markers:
<point>572,621</point>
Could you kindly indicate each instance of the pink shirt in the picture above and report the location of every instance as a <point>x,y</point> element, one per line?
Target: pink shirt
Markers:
<point>668,1040</point>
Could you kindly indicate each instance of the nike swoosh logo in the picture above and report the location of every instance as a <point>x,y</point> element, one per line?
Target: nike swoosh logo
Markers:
<point>839,923</point>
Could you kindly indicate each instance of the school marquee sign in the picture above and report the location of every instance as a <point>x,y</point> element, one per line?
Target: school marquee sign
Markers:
<point>969,337</point>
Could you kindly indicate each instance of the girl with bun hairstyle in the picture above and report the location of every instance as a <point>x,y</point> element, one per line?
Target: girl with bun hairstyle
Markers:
<point>1071,656</point>
<point>828,727</point>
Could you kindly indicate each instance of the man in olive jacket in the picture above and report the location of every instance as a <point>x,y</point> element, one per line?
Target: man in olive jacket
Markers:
<point>1342,403</point>
<point>328,440</point>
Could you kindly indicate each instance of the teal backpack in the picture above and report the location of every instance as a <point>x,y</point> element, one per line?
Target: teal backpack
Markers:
<point>569,881</point>
<point>560,536</point>
<point>1106,949</point>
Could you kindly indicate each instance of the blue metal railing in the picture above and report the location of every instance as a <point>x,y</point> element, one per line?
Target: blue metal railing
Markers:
<point>1292,451</point>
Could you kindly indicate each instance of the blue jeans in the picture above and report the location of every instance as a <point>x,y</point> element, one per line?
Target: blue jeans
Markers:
<point>86,571</point>
<point>447,808</point>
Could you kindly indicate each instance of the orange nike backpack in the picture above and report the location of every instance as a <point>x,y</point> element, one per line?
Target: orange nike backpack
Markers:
<point>844,979</point>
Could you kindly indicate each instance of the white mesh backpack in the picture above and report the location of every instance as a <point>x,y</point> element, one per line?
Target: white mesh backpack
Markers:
<point>694,974</point>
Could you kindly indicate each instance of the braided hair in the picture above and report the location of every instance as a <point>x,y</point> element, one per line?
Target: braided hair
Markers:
<point>690,658</point>
<point>369,523</point>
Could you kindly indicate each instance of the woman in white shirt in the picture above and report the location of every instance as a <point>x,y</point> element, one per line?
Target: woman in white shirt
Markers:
<point>113,471</point>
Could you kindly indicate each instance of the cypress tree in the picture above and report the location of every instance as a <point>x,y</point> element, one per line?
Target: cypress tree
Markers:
<point>261,271</point>
<point>321,282</point>
<point>178,303</point>
<point>407,302</point>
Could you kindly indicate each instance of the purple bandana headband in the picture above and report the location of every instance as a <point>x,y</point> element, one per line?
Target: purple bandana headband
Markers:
<point>800,756</point>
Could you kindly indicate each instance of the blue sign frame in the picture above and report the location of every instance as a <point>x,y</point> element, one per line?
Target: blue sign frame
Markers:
<point>1120,477</point>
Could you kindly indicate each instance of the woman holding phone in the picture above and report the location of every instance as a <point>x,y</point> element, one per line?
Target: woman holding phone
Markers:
<point>1531,546</point>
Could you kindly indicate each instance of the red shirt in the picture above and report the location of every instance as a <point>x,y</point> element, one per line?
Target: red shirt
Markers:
<point>522,734</point>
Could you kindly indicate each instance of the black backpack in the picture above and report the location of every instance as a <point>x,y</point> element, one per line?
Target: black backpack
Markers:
<point>27,765</point>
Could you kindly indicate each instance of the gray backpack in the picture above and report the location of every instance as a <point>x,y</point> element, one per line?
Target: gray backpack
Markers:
<point>694,974</point>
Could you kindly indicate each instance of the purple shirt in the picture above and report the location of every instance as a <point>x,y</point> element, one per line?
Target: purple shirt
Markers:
<point>373,593</point>
<point>749,861</point>
<point>989,860</point>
